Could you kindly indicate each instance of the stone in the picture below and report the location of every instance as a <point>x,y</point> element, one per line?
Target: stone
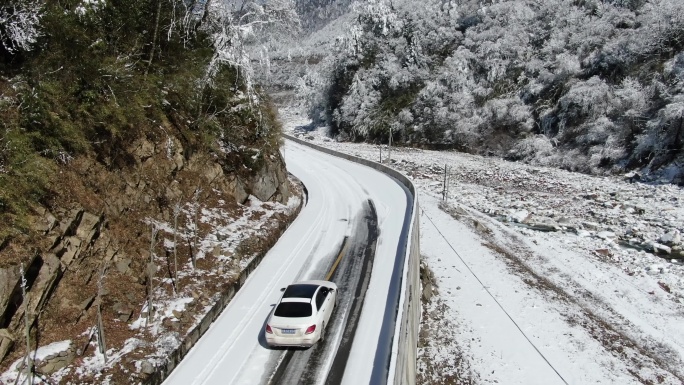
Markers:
<point>6,343</point>
<point>9,286</point>
<point>671,238</point>
<point>632,176</point>
<point>591,225</point>
<point>48,276</point>
<point>543,224</point>
<point>56,360</point>
<point>177,314</point>
<point>125,317</point>
<point>583,233</point>
<point>519,216</point>
<point>661,249</point>
<point>241,194</point>
<point>146,367</point>
<point>68,226</point>
<point>121,308</point>
<point>567,223</point>
<point>427,292</point>
<point>144,149</point>
<point>88,227</point>
<point>264,184</point>
<point>122,265</point>
<point>87,303</point>
<point>606,235</point>
<point>69,249</point>
<point>479,226</point>
<point>48,222</point>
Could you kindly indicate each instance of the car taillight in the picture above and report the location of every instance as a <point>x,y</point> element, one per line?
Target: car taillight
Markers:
<point>268,329</point>
<point>310,329</point>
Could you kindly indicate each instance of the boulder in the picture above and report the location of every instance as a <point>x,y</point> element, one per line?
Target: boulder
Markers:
<point>671,238</point>
<point>264,185</point>
<point>519,216</point>
<point>543,224</point>
<point>146,367</point>
<point>660,249</point>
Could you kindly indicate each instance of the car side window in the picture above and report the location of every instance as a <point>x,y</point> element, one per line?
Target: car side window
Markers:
<point>320,298</point>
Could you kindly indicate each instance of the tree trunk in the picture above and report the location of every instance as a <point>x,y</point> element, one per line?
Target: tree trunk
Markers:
<point>154,36</point>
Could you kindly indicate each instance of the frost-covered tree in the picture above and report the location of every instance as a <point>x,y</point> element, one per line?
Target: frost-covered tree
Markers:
<point>232,24</point>
<point>19,24</point>
<point>589,85</point>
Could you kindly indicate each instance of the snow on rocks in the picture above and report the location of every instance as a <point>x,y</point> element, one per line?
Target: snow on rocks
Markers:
<point>46,359</point>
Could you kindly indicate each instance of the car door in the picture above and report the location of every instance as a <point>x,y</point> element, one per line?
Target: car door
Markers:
<point>321,304</point>
<point>329,303</point>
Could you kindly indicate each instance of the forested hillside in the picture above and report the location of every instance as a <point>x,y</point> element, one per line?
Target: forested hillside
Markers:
<point>130,131</point>
<point>592,86</point>
<point>86,78</point>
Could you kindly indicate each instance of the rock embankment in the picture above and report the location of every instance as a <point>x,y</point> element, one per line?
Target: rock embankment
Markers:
<point>104,225</point>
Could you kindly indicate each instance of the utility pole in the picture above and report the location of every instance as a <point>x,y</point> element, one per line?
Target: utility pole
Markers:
<point>389,155</point>
<point>444,184</point>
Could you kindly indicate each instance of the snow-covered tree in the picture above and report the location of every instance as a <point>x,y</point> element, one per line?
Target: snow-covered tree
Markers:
<point>20,24</point>
<point>232,24</point>
<point>599,80</point>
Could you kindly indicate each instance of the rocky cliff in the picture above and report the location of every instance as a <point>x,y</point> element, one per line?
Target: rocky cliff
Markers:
<point>105,222</point>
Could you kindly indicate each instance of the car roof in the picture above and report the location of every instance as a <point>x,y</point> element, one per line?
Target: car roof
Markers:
<point>300,290</point>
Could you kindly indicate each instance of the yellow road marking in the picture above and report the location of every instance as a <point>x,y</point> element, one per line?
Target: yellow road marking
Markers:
<point>337,261</point>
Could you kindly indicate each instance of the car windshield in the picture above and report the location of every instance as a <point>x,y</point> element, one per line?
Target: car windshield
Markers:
<point>302,290</point>
<point>293,309</point>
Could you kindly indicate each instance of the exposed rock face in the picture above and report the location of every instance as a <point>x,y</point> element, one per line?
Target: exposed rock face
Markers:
<point>105,226</point>
<point>270,183</point>
<point>6,342</point>
<point>9,282</point>
<point>40,292</point>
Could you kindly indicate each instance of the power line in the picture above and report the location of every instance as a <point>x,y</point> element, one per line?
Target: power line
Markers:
<point>494,298</point>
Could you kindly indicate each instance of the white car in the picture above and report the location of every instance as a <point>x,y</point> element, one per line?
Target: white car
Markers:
<point>300,317</point>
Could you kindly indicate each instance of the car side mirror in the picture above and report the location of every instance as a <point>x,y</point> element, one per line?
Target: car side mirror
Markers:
<point>282,289</point>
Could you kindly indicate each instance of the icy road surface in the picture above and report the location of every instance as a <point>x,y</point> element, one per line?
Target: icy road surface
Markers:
<point>232,350</point>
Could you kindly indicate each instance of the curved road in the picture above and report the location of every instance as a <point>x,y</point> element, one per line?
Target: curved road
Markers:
<point>352,212</point>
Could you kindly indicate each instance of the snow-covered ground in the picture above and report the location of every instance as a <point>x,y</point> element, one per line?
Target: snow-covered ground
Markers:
<point>542,276</point>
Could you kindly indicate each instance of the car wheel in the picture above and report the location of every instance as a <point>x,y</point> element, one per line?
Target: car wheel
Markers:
<point>322,332</point>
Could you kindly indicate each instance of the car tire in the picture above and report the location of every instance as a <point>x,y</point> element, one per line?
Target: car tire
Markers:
<point>322,332</point>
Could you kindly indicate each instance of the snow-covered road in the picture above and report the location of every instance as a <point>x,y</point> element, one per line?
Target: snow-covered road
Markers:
<point>232,351</point>
<point>514,305</point>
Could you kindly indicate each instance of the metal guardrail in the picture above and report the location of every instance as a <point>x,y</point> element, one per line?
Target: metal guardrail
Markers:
<point>396,363</point>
